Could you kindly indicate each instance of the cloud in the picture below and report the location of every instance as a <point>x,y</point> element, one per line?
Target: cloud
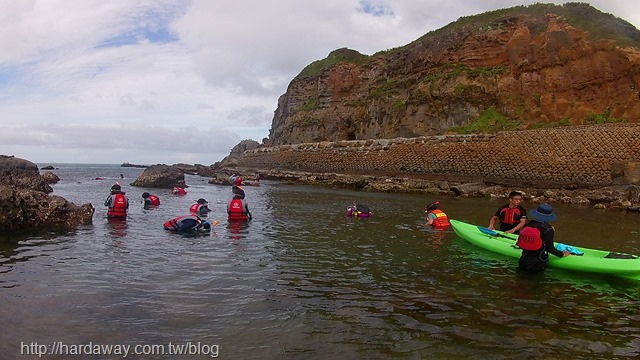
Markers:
<point>162,81</point>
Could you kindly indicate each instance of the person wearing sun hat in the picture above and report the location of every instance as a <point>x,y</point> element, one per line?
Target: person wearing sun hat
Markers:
<point>536,240</point>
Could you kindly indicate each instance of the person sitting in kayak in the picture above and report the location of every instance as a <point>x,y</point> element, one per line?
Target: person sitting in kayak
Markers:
<point>179,191</point>
<point>201,207</point>
<point>436,217</point>
<point>150,200</point>
<point>187,223</point>
<point>238,209</point>
<point>536,240</point>
<point>512,216</point>
<point>117,203</point>
<point>359,211</point>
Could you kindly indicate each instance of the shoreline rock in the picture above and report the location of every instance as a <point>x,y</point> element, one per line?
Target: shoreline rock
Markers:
<point>616,197</point>
<point>26,206</point>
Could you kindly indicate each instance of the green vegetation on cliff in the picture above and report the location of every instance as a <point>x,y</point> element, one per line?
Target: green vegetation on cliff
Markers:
<point>335,57</point>
<point>579,15</point>
<point>489,121</point>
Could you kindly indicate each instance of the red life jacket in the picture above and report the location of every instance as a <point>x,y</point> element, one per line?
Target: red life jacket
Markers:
<point>508,215</point>
<point>155,201</point>
<point>441,220</point>
<point>195,208</point>
<point>174,224</point>
<point>118,206</point>
<point>530,239</point>
<point>236,210</point>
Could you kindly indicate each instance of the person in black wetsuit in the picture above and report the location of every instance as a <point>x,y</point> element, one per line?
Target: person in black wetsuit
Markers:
<point>536,240</point>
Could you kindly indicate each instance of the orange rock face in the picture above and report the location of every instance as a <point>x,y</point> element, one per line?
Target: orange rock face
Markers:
<point>531,68</point>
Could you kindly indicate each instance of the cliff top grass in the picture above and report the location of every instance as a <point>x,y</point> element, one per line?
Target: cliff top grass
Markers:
<point>583,16</point>
<point>342,55</point>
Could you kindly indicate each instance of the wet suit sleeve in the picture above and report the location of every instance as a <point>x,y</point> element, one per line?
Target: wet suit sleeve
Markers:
<point>547,237</point>
<point>108,201</point>
<point>246,209</point>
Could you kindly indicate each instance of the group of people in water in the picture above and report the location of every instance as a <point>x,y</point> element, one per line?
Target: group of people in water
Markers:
<point>117,204</point>
<point>535,233</point>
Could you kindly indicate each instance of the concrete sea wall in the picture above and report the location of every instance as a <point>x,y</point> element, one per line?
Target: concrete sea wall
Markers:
<point>579,156</point>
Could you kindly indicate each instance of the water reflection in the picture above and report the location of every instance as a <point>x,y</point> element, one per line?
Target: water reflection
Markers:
<point>237,230</point>
<point>117,227</point>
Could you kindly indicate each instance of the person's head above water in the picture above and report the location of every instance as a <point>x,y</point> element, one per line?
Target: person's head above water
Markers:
<point>432,206</point>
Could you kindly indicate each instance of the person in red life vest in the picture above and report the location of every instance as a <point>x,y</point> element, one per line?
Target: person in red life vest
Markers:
<point>512,216</point>
<point>117,203</point>
<point>179,191</point>
<point>187,223</point>
<point>236,179</point>
<point>150,200</point>
<point>536,240</point>
<point>201,207</point>
<point>436,217</point>
<point>238,209</point>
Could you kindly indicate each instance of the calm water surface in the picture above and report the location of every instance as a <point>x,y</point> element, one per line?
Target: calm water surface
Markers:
<point>303,282</point>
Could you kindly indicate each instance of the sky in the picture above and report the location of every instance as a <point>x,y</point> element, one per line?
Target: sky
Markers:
<point>183,81</point>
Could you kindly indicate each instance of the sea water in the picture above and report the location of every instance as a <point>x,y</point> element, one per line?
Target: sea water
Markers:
<point>302,281</point>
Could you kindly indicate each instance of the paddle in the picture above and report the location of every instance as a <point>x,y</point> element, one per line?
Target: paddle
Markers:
<point>493,232</point>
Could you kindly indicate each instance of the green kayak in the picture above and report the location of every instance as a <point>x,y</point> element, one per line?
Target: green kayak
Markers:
<point>595,261</point>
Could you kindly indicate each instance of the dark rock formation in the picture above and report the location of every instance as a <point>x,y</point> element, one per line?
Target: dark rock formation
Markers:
<point>50,177</point>
<point>24,210</point>
<point>126,164</point>
<point>21,173</point>
<point>525,67</point>
<point>25,205</point>
<point>160,176</point>
<point>49,167</point>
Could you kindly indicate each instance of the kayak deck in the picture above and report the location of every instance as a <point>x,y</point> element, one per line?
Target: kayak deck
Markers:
<point>593,260</point>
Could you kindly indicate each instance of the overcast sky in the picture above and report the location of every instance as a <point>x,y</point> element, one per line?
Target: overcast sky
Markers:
<point>168,81</point>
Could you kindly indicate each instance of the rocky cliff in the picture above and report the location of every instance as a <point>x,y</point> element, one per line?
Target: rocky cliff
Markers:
<point>519,68</point>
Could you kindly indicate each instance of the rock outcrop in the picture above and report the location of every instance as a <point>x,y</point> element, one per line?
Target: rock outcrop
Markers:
<point>21,173</point>
<point>526,67</point>
<point>231,160</point>
<point>161,176</point>
<point>25,205</point>
<point>50,178</point>
<point>24,210</point>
